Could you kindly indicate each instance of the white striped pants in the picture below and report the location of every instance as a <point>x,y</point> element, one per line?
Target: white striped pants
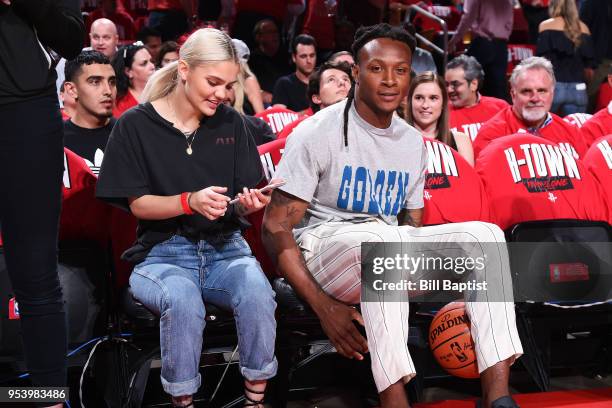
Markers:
<point>333,255</point>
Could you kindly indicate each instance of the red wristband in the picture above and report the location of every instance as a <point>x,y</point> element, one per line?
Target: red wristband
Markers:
<point>185,204</point>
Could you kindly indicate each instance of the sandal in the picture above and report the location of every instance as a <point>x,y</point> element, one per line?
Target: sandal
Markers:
<point>251,402</point>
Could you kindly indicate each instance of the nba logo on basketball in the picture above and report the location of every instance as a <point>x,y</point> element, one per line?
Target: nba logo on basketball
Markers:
<point>451,343</point>
<point>13,309</point>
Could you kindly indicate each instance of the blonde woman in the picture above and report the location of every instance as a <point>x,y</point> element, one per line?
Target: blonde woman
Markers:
<point>427,111</point>
<point>248,92</point>
<point>248,85</point>
<point>175,161</point>
<point>566,42</point>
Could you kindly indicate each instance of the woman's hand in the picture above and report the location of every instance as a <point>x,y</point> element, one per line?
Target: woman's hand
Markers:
<point>253,200</point>
<point>210,202</point>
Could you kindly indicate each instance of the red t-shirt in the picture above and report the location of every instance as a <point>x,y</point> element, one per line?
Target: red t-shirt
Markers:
<point>577,119</point>
<point>599,125</point>
<point>453,190</point>
<point>599,162</point>
<point>528,178</point>
<point>320,24</point>
<point>604,97</point>
<point>468,120</point>
<point>82,216</point>
<point>278,118</point>
<point>124,104</point>
<point>507,123</point>
<point>124,22</point>
<point>270,154</point>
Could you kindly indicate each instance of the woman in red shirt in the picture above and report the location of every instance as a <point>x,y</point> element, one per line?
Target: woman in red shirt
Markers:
<point>133,66</point>
<point>428,112</point>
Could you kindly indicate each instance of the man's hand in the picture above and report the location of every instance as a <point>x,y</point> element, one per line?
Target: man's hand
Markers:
<point>338,322</point>
<point>210,202</point>
<point>7,2</point>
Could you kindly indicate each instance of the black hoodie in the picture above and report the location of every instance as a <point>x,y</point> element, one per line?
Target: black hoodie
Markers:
<point>26,26</point>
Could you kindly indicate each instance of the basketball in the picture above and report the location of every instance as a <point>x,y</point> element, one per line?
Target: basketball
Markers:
<point>451,343</point>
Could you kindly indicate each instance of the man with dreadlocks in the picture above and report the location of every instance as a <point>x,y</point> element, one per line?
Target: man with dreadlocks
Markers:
<point>354,181</point>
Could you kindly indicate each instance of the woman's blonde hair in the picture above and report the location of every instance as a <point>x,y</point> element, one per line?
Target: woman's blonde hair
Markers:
<point>566,9</point>
<point>244,73</point>
<point>204,46</point>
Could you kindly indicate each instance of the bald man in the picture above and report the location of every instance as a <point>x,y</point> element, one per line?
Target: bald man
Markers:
<point>104,38</point>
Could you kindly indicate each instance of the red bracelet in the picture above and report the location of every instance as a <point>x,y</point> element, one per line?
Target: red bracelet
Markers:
<point>185,204</point>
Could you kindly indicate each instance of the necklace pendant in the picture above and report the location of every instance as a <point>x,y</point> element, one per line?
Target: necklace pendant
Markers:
<point>189,151</point>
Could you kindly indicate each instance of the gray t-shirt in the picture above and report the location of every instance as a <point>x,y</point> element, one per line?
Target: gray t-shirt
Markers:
<point>380,172</point>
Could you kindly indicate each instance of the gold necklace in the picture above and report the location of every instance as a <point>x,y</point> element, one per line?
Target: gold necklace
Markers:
<point>188,134</point>
<point>191,135</point>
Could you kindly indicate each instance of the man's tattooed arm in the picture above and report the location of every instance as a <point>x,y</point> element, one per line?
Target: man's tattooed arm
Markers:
<point>282,214</point>
<point>413,218</point>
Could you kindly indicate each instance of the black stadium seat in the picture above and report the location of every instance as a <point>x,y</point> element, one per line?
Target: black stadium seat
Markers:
<point>562,273</point>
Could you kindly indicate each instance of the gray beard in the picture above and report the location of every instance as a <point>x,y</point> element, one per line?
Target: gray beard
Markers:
<point>530,115</point>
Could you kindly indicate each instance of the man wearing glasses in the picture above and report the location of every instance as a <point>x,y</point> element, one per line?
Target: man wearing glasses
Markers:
<point>468,108</point>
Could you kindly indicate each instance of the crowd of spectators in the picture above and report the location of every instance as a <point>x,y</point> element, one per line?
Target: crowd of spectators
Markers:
<point>282,42</point>
<point>296,59</point>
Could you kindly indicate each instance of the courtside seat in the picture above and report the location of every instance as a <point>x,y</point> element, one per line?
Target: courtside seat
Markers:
<point>562,275</point>
<point>277,118</point>
<point>289,305</point>
<point>528,178</point>
<point>453,190</point>
<point>139,313</point>
<point>142,348</point>
<point>555,214</point>
<point>134,356</point>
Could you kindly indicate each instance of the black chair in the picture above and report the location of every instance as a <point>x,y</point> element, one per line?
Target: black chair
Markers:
<point>220,338</point>
<point>562,276</point>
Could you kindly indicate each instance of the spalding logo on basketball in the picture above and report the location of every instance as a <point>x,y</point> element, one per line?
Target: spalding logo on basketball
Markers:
<point>451,343</point>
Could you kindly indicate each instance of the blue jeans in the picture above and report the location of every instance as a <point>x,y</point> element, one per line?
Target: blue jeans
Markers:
<point>175,280</point>
<point>569,98</point>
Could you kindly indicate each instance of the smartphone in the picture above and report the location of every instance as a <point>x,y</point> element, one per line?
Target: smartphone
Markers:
<point>264,189</point>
